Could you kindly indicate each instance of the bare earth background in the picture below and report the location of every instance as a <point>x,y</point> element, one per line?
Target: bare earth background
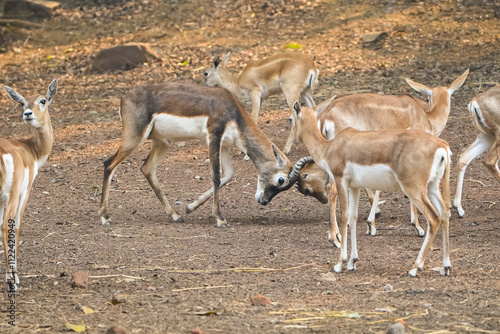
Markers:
<point>173,277</point>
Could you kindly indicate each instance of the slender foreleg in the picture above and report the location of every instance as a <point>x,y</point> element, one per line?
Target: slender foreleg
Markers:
<point>353,218</point>
<point>228,170</point>
<point>342,194</point>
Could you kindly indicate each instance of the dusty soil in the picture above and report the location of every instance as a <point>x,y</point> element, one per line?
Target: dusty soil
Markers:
<point>151,275</point>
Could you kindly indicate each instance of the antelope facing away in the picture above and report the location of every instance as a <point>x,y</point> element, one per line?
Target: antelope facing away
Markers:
<point>371,112</point>
<point>294,74</point>
<point>172,112</point>
<point>485,111</point>
<point>411,160</point>
<point>20,161</point>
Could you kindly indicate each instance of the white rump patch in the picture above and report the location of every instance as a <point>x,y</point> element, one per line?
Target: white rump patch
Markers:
<point>328,130</point>
<point>438,165</point>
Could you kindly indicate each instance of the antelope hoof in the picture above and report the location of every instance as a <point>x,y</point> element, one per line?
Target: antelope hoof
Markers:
<point>351,265</point>
<point>421,232</point>
<point>445,271</point>
<point>246,158</point>
<point>371,230</point>
<point>222,223</point>
<point>334,241</point>
<point>105,221</point>
<point>177,219</point>
<point>413,272</point>
<point>338,267</point>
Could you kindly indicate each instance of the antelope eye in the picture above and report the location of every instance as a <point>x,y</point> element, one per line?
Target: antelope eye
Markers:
<point>281,181</point>
<point>43,101</point>
<point>307,192</point>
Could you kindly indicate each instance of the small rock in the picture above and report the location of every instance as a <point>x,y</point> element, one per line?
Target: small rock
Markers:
<point>118,300</point>
<point>427,305</point>
<point>80,279</point>
<point>388,287</point>
<point>197,330</point>
<point>329,277</point>
<point>38,10</point>
<point>116,330</point>
<point>397,328</point>
<point>374,40</point>
<point>182,144</point>
<point>122,57</point>
<point>260,300</point>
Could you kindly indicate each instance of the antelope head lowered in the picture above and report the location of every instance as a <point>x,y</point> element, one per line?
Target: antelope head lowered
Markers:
<point>372,112</point>
<point>172,112</point>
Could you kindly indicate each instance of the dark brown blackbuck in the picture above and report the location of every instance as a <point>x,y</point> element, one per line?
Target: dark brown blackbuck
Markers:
<point>172,112</point>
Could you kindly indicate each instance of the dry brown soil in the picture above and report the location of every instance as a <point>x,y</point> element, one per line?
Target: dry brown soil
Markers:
<point>151,275</point>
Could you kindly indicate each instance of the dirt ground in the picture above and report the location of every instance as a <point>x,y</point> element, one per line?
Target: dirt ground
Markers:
<point>151,275</point>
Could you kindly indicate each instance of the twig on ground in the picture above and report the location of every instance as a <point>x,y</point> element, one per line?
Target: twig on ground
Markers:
<point>116,275</point>
<point>477,181</point>
<point>203,288</point>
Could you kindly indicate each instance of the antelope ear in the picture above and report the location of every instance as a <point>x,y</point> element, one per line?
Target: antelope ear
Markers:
<point>279,158</point>
<point>458,82</point>
<point>216,61</point>
<point>225,59</point>
<point>296,108</point>
<point>419,87</point>
<point>15,96</point>
<point>51,91</point>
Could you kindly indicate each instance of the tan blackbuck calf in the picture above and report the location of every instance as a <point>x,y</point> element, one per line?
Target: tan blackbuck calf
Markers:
<point>172,112</point>
<point>294,74</point>
<point>20,161</point>
<point>370,112</point>
<point>485,112</point>
<point>411,160</point>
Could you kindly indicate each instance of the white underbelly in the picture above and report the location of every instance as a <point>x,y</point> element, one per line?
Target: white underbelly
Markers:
<point>171,128</point>
<point>375,177</point>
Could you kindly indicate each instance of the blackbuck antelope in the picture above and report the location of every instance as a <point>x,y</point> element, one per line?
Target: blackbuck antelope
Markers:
<point>294,74</point>
<point>172,112</point>
<point>411,160</point>
<point>19,164</point>
<point>372,112</point>
<point>485,112</point>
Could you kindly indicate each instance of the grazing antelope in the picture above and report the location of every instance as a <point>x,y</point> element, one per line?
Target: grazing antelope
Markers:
<point>411,160</point>
<point>294,74</point>
<point>20,161</point>
<point>485,111</point>
<point>371,112</point>
<point>172,112</point>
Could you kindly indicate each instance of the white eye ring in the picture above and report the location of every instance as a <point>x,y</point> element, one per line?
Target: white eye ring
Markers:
<point>281,180</point>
